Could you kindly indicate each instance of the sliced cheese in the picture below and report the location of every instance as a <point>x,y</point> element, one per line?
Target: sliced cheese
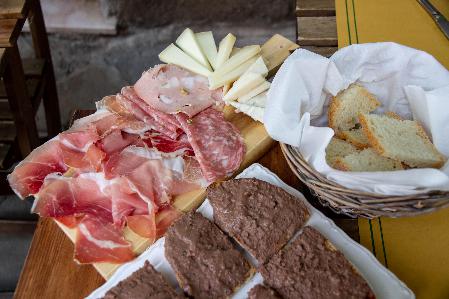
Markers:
<point>256,91</point>
<point>207,43</point>
<point>188,43</point>
<point>254,112</point>
<point>242,56</point>
<point>243,85</point>
<point>217,80</point>
<point>259,100</point>
<point>225,49</point>
<point>258,67</point>
<point>174,55</point>
<point>235,51</point>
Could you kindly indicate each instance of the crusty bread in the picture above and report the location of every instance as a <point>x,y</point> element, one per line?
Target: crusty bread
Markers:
<point>338,148</point>
<point>367,160</point>
<point>402,140</point>
<point>345,107</point>
<point>356,137</point>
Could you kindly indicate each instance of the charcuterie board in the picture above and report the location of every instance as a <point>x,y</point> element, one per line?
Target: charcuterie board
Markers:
<point>257,142</point>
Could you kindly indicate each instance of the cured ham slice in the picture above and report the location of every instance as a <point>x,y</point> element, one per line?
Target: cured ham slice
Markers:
<point>100,242</point>
<point>171,89</point>
<point>143,225</point>
<point>160,121</point>
<point>165,218</point>
<point>165,144</point>
<point>217,143</point>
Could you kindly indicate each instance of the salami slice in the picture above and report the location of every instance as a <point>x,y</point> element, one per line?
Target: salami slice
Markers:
<point>217,143</point>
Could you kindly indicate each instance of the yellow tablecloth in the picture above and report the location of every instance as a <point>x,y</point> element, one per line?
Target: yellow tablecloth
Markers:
<point>416,249</point>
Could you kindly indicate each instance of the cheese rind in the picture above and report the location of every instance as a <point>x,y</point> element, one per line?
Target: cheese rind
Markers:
<point>218,80</point>
<point>174,55</point>
<point>256,91</point>
<point>235,61</point>
<point>225,49</point>
<point>207,44</point>
<point>188,43</point>
<point>243,85</point>
<point>258,67</point>
<point>254,112</point>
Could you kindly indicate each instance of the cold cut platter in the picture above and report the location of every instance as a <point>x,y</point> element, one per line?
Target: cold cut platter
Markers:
<point>117,179</point>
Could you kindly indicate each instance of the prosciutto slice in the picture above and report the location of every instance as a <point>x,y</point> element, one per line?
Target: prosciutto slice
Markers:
<point>165,144</point>
<point>171,89</point>
<point>100,242</point>
<point>217,143</point>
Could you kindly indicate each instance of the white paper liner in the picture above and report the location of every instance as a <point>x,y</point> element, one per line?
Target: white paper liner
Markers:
<point>383,283</point>
<point>409,82</point>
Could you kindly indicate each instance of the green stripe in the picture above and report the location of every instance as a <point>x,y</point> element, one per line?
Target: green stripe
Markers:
<point>383,242</point>
<point>355,22</point>
<point>347,22</point>
<point>372,237</point>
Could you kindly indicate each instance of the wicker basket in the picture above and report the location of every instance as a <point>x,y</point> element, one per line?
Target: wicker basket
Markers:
<point>357,203</point>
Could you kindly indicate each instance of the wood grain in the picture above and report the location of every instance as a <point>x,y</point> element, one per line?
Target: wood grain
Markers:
<point>315,8</point>
<point>12,9</point>
<point>317,31</point>
<point>9,31</point>
<point>323,51</point>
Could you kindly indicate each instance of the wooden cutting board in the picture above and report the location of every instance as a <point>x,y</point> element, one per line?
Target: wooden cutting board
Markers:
<point>257,142</point>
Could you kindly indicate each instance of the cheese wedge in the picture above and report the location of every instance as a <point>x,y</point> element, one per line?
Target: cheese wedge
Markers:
<point>218,80</point>
<point>259,100</point>
<point>174,55</point>
<point>256,91</point>
<point>225,49</point>
<point>242,56</point>
<point>188,43</point>
<point>235,51</point>
<point>258,67</point>
<point>254,112</point>
<point>207,44</point>
<point>243,85</point>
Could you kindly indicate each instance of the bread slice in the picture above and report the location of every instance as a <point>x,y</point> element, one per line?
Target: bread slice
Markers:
<point>356,137</point>
<point>338,148</point>
<point>345,107</point>
<point>402,140</point>
<point>367,160</point>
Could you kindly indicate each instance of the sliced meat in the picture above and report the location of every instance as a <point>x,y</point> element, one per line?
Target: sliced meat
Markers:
<point>171,89</point>
<point>217,143</point>
<point>100,242</point>
<point>263,292</point>
<point>143,225</point>
<point>161,122</point>
<point>177,147</point>
<point>165,218</point>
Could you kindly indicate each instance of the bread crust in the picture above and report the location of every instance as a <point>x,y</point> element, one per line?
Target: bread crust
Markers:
<point>375,144</point>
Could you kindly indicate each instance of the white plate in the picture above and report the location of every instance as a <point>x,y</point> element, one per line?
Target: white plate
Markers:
<point>383,283</point>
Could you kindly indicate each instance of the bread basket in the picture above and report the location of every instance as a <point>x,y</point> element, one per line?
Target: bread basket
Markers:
<point>357,203</point>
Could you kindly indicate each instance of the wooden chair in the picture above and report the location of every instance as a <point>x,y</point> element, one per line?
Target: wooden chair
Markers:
<point>25,82</point>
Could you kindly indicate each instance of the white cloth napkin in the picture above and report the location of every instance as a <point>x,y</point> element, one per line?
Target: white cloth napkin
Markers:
<point>407,81</point>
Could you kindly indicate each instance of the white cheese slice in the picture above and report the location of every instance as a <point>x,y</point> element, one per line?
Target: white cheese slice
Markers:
<point>242,56</point>
<point>243,85</point>
<point>188,43</point>
<point>217,80</point>
<point>256,91</point>
<point>235,51</point>
<point>254,112</point>
<point>259,100</point>
<point>174,55</point>
<point>207,43</point>
<point>258,67</point>
<point>225,49</point>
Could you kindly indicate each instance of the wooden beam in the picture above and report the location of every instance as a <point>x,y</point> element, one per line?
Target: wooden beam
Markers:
<point>317,31</point>
<point>323,51</point>
<point>315,8</point>
<point>13,9</point>
<point>9,31</point>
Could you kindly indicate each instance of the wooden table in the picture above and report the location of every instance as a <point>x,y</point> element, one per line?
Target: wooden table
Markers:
<point>50,272</point>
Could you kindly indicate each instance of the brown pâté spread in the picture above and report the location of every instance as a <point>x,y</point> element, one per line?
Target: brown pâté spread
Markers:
<point>310,267</point>
<point>143,284</point>
<point>262,292</point>
<point>206,263</point>
<point>261,217</point>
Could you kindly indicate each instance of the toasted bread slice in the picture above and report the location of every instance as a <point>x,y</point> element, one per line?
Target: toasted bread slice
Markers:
<point>345,107</point>
<point>367,160</point>
<point>402,140</point>
<point>338,148</point>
